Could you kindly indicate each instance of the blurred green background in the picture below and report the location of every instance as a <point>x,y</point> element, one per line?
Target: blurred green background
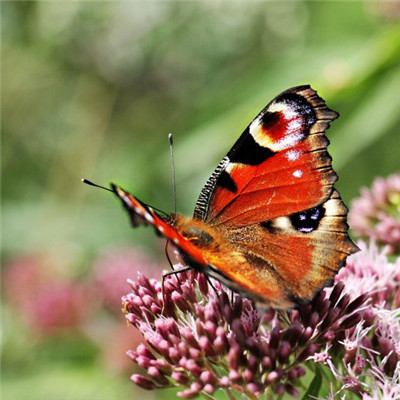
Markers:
<point>92,89</point>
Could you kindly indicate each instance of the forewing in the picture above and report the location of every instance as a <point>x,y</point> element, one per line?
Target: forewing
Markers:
<point>279,165</point>
<point>141,214</point>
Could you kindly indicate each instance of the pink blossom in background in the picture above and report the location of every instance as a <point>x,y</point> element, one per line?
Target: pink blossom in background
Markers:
<point>59,306</point>
<point>114,267</point>
<point>110,272</point>
<point>376,213</point>
<point>46,299</point>
<point>118,339</point>
<point>25,274</point>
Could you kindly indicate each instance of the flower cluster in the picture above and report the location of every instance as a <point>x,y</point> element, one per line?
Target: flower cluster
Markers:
<point>112,267</point>
<point>205,339</point>
<point>371,362</point>
<point>376,214</point>
<point>370,271</point>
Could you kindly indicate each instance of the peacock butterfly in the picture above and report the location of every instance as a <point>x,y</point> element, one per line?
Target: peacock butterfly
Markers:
<point>268,223</point>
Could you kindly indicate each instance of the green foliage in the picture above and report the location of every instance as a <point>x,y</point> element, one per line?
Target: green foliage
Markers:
<point>315,386</point>
<point>92,89</point>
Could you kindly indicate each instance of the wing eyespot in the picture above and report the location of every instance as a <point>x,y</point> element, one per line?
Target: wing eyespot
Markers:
<point>308,221</point>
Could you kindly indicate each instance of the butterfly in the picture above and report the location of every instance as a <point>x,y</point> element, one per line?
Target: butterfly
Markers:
<point>268,223</point>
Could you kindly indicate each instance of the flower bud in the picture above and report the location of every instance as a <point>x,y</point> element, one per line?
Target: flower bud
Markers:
<point>209,389</point>
<point>208,377</point>
<point>143,382</point>
<point>284,352</point>
<point>248,376</point>
<point>274,338</point>
<point>352,320</point>
<point>237,329</point>
<point>203,285</point>
<point>336,292</point>
<point>180,301</point>
<point>292,390</point>
<point>157,376</point>
<point>180,377</point>
<point>206,346</point>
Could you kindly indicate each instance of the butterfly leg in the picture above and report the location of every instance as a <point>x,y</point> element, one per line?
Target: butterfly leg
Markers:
<point>169,258</point>
<point>283,315</point>
<point>174,272</point>
<point>211,284</point>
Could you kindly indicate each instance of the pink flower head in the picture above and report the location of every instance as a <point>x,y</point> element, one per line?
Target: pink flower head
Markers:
<point>46,299</point>
<point>383,386</point>
<point>376,214</point>
<point>111,272</point>
<point>370,271</point>
<point>206,340</point>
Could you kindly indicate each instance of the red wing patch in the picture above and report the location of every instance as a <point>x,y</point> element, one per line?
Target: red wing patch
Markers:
<point>278,166</point>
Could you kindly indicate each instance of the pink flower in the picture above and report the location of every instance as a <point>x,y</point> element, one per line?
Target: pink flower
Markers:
<point>117,336</point>
<point>206,341</point>
<point>46,299</point>
<point>383,386</point>
<point>370,271</point>
<point>112,269</point>
<point>376,214</point>
<point>58,307</point>
<point>349,330</point>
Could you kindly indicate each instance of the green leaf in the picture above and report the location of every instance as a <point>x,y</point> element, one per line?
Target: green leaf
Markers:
<point>314,387</point>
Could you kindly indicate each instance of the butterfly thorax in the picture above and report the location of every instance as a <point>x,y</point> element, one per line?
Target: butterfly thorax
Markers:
<point>214,248</point>
<point>197,232</point>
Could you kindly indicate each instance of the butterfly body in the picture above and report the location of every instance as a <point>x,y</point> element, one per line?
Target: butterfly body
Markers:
<point>268,223</point>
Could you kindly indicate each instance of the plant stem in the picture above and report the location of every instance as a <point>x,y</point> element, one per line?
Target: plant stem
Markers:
<point>229,394</point>
<point>268,393</point>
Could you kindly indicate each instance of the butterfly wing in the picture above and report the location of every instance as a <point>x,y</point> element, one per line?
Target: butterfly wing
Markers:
<point>142,214</point>
<point>240,261</point>
<point>279,165</point>
<point>272,199</point>
<point>298,254</point>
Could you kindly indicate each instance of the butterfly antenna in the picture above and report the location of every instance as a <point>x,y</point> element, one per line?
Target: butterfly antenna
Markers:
<point>171,148</point>
<point>96,185</point>
<point>112,191</point>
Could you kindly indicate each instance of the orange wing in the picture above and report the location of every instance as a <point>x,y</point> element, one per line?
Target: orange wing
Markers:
<point>208,255</point>
<point>290,258</point>
<point>281,262</point>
